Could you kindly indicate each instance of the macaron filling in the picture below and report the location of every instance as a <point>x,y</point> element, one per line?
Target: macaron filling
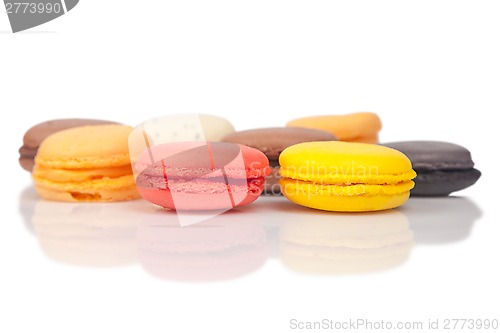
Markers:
<point>294,185</point>
<point>332,176</point>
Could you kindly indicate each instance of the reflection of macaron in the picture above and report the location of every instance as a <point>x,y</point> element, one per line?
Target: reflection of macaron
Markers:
<point>36,134</point>
<point>27,201</point>
<point>354,127</point>
<point>324,243</point>
<point>221,248</point>
<point>441,220</point>
<point>272,141</point>
<point>201,175</point>
<point>89,163</point>
<point>442,167</point>
<point>88,234</point>
<point>343,176</point>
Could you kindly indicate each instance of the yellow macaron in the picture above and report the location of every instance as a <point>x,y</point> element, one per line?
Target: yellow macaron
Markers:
<point>89,163</point>
<point>345,177</point>
<point>353,127</point>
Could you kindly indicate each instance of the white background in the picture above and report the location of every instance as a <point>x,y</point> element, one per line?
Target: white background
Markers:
<point>430,69</point>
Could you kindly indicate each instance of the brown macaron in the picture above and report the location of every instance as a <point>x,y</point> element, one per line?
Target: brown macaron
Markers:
<point>272,141</point>
<point>36,134</point>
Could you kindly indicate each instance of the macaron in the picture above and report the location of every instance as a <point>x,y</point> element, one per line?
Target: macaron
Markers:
<point>180,128</point>
<point>36,134</point>
<point>217,249</point>
<point>345,177</point>
<point>336,243</point>
<point>272,141</point>
<point>177,128</point>
<point>442,167</point>
<point>201,175</point>
<point>355,127</point>
<point>83,164</point>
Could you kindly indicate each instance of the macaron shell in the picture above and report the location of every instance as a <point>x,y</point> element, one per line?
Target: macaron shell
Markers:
<point>27,163</point>
<point>373,139</point>
<point>324,200</point>
<point>36,134</point>
<point>98,190</point>
<point>443,183</point>
<point>179,128</point>
<point>341,162</point>
<point>27,152</point>
<point>27,157</point>
<point>215,128</point>
<point>202,159</point>
<point>352,127</point>
<point>86,147</point>
<point>272,141</point>
<point>434,155</point>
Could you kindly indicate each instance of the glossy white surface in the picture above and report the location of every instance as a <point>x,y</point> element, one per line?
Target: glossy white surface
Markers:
<point>129,266</point>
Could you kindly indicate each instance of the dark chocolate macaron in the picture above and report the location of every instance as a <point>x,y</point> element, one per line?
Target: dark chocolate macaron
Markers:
<point>36,134</point>
<point>272,141</point>
<point>442,167</point>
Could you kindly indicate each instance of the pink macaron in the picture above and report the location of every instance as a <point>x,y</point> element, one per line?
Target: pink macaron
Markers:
<point>201,175</point>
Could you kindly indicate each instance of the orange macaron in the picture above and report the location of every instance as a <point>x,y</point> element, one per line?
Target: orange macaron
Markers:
<point>355,127</point>
<point>89,163</point>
